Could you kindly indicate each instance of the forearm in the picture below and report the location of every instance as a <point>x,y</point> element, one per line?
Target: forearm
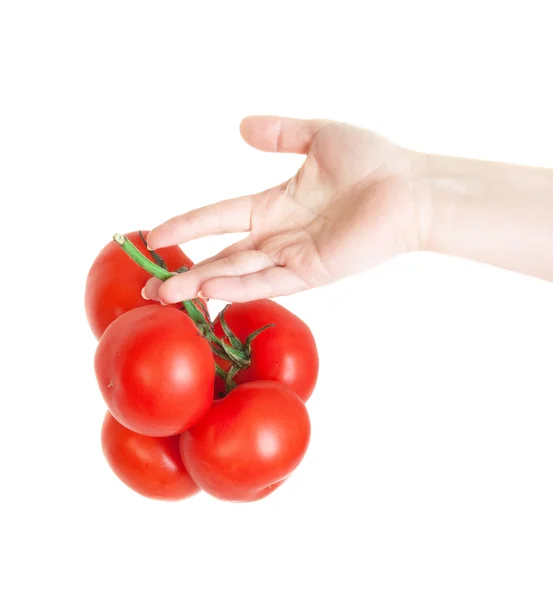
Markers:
<point>491,212</point>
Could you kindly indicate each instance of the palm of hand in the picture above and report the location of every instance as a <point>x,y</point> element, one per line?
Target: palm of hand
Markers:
<point>350,206</point>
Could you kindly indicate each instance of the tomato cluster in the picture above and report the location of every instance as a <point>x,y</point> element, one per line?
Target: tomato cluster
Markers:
<point>195,404</point>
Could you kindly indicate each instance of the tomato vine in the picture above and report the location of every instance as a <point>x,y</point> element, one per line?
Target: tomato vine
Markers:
<point>236,352</point>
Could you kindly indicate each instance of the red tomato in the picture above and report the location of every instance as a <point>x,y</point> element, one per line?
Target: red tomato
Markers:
<point>285,353</point>
<point>114,281</point>
<point>248,443</point>
<point>148,465</point>
<point>155,371</point>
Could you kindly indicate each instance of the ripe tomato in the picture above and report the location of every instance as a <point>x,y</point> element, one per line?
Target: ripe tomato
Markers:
<point>248,443</point>
<point>285,353</point>
<point>114,281</point>
<point>155,371</point>
<point>148,465</point>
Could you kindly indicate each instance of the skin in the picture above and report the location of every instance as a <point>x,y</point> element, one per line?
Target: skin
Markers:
<point>358,200</point>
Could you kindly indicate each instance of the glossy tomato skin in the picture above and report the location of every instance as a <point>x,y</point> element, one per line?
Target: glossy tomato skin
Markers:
<point>249,442</point>
<point>151,466</point>
<point>285,353</point>
<point>115,282</point>
<point>155,371</point>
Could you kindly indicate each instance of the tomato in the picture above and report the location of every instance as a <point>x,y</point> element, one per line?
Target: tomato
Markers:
<point>285,353</point>
<point>151,466</point>
<point>115,282</point>
<point>155,371</point>
<point>248,443</point>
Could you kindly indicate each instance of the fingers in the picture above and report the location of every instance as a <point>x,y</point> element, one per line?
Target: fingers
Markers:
<point>272,134</point>
<point>272,282</point>
<point>151,289</point>
<point>241,246</point>
<point>189,285</point>
<point>280,134</point>
<point>228,216</point>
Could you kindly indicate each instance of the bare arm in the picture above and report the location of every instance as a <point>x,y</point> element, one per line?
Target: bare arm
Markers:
<point>358,200</point>
<point>490,212</point>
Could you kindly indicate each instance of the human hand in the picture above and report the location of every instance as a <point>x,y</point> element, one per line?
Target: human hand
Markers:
<point>353,204</point>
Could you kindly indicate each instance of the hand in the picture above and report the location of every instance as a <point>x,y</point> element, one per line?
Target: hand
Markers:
<point>352,205</point>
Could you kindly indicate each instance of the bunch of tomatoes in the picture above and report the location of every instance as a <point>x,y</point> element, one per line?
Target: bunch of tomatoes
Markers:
<point>194,403</point>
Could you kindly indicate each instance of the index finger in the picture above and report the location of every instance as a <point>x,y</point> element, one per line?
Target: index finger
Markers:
<point>228,216</point>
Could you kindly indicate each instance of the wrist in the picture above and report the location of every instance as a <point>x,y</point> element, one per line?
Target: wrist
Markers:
<point>424,197</point>
<point>489,212</point>
<point>448,188</point>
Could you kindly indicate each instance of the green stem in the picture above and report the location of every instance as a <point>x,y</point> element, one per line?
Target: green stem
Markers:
<point>230,384</point>
<point>145,263</point>
<point>197,314</point>
<point>220,372</point>
<point>160,273</point>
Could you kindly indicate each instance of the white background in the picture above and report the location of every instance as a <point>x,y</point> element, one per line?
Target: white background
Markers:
<point>431,465</point>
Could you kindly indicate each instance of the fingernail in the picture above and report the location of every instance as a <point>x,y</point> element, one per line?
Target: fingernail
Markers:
<point>148,247</point>
<point>143,294</point>
<point>201,295</point>
<point>163,303</point>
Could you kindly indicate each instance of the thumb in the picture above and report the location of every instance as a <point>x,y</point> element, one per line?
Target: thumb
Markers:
<point>281,134</point>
